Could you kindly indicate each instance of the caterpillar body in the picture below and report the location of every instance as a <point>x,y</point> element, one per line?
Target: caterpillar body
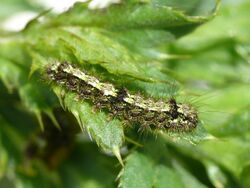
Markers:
<point>132,109</point>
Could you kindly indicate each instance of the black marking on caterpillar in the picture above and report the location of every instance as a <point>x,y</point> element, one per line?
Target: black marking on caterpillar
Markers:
<point>133,109</point>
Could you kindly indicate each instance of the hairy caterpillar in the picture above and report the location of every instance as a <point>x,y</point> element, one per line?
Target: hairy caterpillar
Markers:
<point>133,109</point>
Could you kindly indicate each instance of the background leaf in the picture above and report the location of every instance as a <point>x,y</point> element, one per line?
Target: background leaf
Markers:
<point>160,49</point>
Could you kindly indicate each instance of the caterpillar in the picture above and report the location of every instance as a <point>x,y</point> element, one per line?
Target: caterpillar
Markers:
<point>130,108</point>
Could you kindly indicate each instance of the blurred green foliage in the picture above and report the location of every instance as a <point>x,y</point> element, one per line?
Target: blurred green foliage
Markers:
<point>155,47</point>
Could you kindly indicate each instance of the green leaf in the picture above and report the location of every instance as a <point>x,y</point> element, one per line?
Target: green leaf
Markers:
<point>219,176</point>
<point>9,74</point>
<point>137,172</point>
<point>188,179</point>
<point>237,125</point>
<point>38,99</point>
<point>100,174</point>
<point>93,47</point>
<point>128,15</point>
<point>224,52</point>
<point>221,151</point>
<point>140,171</point>
<point>245,176</point>
<point>108,134</point>
<point>156,166</point>
<point>15,75</point>
<point>194,7</point>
